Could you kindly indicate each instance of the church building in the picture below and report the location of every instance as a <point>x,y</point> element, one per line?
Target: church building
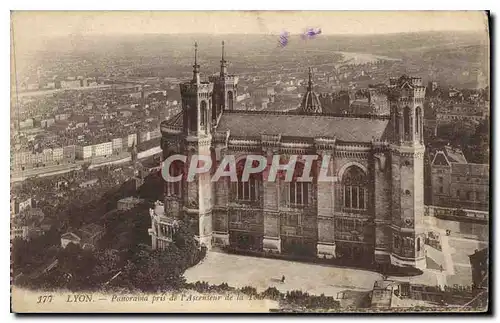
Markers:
<point>372,212</point>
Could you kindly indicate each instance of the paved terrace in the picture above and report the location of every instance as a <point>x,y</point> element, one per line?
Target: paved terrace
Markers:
<point>261,273</point>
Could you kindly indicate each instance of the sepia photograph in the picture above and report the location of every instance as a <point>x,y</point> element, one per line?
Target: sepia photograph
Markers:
<point>250,161</point>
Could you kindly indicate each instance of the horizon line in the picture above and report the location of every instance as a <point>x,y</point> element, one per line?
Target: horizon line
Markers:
<point>458,31</point>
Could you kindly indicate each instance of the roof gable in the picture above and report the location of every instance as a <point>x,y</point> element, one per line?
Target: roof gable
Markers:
<point>70,236</point>
<point>406,85</point>
<point>440,160</point>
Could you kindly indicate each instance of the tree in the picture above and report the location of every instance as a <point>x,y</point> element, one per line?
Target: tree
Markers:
<point>481,142</point>
<point>107,262</point>
<point>153,271</point>
<point>77,264</point>
<point>85,167</point>
<point>152,189</point>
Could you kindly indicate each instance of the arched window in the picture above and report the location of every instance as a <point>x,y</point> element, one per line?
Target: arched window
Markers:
<point>214,106</point>
<point>174,188</point>
<point>295,193</point>
<point>418,244</point>
<point>203,115</point>
<point>396,242</point>
<point>246,190</point>
<point>396,123</point>
<point>418,120</point>
<point>354,182</point>
<point>406,120</point>
<point>193,119</point>
<point>230,100</point>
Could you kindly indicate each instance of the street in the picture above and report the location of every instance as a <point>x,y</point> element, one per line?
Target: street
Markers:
<point>61,169</point>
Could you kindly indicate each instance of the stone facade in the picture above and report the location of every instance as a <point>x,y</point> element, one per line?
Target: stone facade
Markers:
<point>371,211</point>
<point>457,183</point>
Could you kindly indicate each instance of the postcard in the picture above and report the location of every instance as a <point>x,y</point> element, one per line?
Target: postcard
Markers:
<point>250,161</point>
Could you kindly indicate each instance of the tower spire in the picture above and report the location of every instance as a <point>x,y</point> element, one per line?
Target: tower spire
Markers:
<point>310,84</point>
<point>196,67</point>
<point>223,67</point>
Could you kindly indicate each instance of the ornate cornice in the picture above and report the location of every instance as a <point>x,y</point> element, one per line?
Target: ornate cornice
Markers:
<point>352,154</point>
<point>325,143</point>
<point>270,139</point>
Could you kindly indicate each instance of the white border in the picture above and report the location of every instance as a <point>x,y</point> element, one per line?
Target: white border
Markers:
<point>203,5</point>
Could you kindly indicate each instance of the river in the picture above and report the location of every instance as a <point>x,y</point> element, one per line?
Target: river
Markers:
<point>364,58</point>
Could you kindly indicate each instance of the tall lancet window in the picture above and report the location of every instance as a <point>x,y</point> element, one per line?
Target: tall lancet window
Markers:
<point>418,123</point>
<point>246,191</point>
<point>230,100</point>
<point>354,182</point>
<point>193,119</point>
<point>203,115</point>
<point>406,121</point>
<point>176,169</point>
<point>295,193</point>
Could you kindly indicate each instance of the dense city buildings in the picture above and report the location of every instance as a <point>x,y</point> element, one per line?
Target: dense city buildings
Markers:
<point>462,112</point>
<point>457,183</point>
<point>373,211</point>
<point>95,131</point>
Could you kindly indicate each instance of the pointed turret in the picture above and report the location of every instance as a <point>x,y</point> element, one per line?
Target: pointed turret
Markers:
<point>310,83</point>
<point>223,66</point>
<point>310,102</point>
<point>196,67</point>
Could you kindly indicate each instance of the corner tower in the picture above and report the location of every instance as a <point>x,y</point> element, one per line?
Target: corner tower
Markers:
<point>225,89</point>
<point>196,139</point>
<point>406,100</point>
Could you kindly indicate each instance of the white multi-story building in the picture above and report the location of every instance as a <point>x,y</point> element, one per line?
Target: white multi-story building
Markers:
<point>58,154</point>
<point>83,152</point>
<point>117,144</point>
<point>132,140</point>
<point>46,123</point>
<point>103,149</point>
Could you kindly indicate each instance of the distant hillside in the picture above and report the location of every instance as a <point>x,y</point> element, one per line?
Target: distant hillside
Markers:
<point>459,58</point>
<point>156,44</point>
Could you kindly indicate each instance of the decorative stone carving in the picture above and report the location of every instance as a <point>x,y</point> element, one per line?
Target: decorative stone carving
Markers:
<point>380,161</point>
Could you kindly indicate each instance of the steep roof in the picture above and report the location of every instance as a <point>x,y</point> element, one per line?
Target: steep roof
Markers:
<point>70,236</point>
<point>352,129</point>
<point>311,103</point>
<point>455,155</point>
<point>176,120</point>
<point>449,155</point>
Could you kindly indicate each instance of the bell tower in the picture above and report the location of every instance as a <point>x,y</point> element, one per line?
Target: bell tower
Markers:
<point>225,89</point>
<point>196,102</point>
<point>197,137</point>
<point>406,99</point>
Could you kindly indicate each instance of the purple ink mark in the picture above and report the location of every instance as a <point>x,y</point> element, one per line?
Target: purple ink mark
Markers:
<point>283,40</point>
<point>311,33</point>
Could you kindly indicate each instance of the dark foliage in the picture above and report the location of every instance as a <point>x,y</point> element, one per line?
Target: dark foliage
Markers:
<point>294,298</point>
<point>473,140</point>
<point>152,189</point>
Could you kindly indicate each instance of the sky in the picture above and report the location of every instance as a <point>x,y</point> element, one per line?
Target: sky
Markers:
<point>32,27</point>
